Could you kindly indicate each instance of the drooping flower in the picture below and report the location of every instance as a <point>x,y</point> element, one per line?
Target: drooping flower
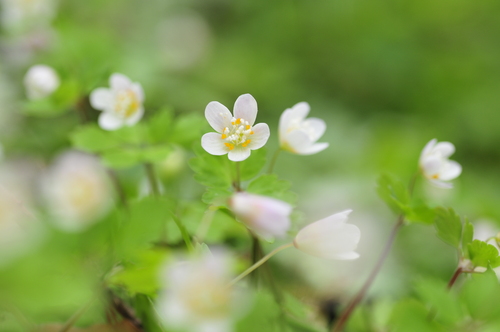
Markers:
<point>77,191</point>
<point>435,165</point>
<point>298,134</point>
<point>330,238</point>
<point>40,81</point>
<point>196,297</point>
<point>266,216</point>
<point>121,104</point>
<point>236,135</point>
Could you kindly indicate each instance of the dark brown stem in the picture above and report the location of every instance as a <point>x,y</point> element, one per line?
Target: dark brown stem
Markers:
<point>455,276</point>
<point>371,278</point>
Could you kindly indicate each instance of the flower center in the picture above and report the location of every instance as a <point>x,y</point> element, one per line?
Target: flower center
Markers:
<point>238,133</point>
<point>126,103</point>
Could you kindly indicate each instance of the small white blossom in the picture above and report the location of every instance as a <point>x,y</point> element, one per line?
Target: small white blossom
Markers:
<point>330,238</point>
<point>26,14</point>
<point>236,135</point>
<point>268,217</point>
<point>196,297</point>
<point>77,191</point>
<point>40,81</point>
<point>435,165</point>
<point>121,104</point>
<point>298,134</point>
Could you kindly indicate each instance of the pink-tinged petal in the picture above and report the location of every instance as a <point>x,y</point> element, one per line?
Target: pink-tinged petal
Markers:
<point>295,141</point>
<point>101,99</point>
<point>314,127</point>
<point>239,153</point>
<point>312,149</point>
<point>259,137</point>
<point>119,82</point>
<point>245,108</point>
<point>137,88</point>
<point>214,144</point>
<point>218,116</point>
<point>108,121</point>
<point>133,119</point>
<point>450,170</point>
<point>441,184</point>
<point>446,149</point>
<point>428,148</point>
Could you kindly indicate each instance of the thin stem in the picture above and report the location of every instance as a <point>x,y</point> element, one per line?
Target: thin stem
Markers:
<point>371,278</point>
<point>76,316</point>
<point>153,183</point>
<point>184,232</point>
<point>257,254</point>
<point>118,187</point>
<point>259,263</point>
<point>237,181</point>
<point>273,161</point>
<point>455,276</point>
<point>413,180</point>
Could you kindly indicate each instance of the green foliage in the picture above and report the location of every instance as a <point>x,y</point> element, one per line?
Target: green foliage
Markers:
<point>62,100</point>
<point>483,254</point>
<point>448,226</point>
<point>481,296</point>
<point>444,303</point>
<point>250,167</point>
<point>270,185</point>
<point>421,213</point>
<point>211,171</point>
<point>467,236</point>
<point>412,316</point>
<point>394,193</point>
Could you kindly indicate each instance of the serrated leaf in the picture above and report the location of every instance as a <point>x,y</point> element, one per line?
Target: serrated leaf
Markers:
<point>188,129</point>
<point>394,193</point>
<point>467,236</point>
<point>270,185</point>
<point>251,167</point>
<point>421,213</point>
<point>211,171</point>
<point>448,226</point>
<point>435,293</point>
<point>216,197</point>
<point>481,296</point>
<point>482,253</point>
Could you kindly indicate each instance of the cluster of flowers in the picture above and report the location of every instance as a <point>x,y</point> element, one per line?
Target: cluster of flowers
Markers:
<point>198,292</point>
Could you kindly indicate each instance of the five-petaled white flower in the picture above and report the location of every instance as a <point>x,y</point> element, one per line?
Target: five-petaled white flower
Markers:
<point>329,238</point>
<point>435,165</point>
<point>196,297</point>
<point>266,216</point>
<point>121,104</point>
<point>298,135</point>
<point>235,135</point>
<point>40,81</point>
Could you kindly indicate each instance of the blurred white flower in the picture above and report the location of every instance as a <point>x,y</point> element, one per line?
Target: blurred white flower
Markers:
<point>77,191</point>
<point>196,297</point>
<point>121,104</point>
<point>435,165</point>
<point>236,135</point>
<point>267,217</point>
<point>330,238</point>
<point>40,81</point>
<point>298,135</point>
<point>26,14</point>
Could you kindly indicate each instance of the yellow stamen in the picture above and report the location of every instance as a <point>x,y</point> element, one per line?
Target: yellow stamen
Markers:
<point>229,145</point>
<point>224,136</point>
<point>251,133</point>
<point>435,176</point>
<point>246,143</point>
<point>238,121</point>
<point>248,127</point>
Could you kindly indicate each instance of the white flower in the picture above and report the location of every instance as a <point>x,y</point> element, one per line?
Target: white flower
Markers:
<point>40,81</point>
<point>330,238</point>
<point>268,217</point>
<point>121,104</point>
<point>435,165</point>
<point>77,191</point>
<point>26,14</point>
<point>298,135</point>
<point>196,297</point>
<point>235,135</point>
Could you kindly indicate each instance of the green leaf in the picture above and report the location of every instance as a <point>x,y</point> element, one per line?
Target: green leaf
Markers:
<point>160,125</point>
<point>217,197</point>
<point>448,226</point>
<point>445,303</point>
<point>467,236</point>
<point>91,138</point>
<point>270,185</point>
<point>251,167</point>
<point>412,316</point>
<point>483,254</point>
<point>211,171</point>
<point>121,158</point>
<point>481,296</point>
<point>421,213</point>
<point>394,193</point>
<point>153,154</point>
<point>188,129</point>
<point>264,316</point>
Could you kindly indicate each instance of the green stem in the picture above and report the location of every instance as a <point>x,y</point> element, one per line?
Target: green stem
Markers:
<point>237,181</point>
<point>184,232</point>
<point>153,183</point>
<point>273,161</point>
<point>259,263</point>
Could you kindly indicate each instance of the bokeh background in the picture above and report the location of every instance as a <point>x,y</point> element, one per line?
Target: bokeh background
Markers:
<point>386,76</point>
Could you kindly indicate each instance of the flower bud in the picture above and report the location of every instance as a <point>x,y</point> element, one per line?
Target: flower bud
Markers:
<point>40,81</point>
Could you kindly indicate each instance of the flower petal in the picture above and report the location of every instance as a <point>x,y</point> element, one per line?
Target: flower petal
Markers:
<point>295,141</point>
<point>314,127</point>
<point>312,149</point>
<point>441,184</point>
<point>285,119</point>
<point>245,107</point>
<point>108,121</point>
<point>119,82</point>
<point>451,170</point>
<point>346,256</point>
<point>214,144</point>
<point>239,153</point>
<point>300,111</point>
<point>259,137</point>
<point>133,119</point>
<point>101,99</point>
<point>428,148</point>
<point>431,165</point>
<point>137,88</point>
<point>218,116</point>
<point>445,148</point>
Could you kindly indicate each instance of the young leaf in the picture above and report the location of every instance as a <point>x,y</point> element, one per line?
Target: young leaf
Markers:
<point>91,138</point>
<point>421,213</point>
<point>448,226</point>
<point>467,236</point>
<point>211,171</point>
<point>250,167</point>
<point>481,296</point>
<point>434,292</point>
<point>394,193</point>
<point>270,185</point>
<point>483,254</point>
